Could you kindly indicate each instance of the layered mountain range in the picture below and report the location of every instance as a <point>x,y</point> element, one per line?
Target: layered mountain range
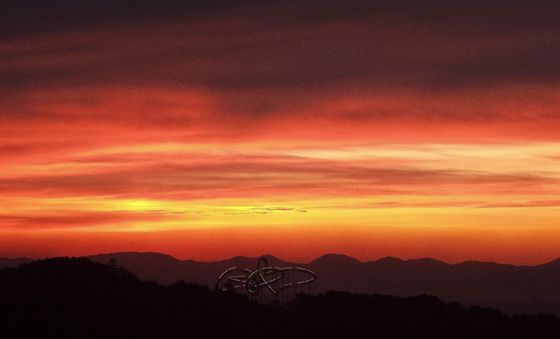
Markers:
<point>514,289</point>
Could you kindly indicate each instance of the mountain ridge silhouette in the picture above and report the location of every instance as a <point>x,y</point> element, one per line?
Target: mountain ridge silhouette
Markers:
<point>76,297</point>
<point>17,260</point>
<point>514,289</point>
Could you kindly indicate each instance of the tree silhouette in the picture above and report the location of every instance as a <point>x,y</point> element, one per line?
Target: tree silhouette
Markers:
<point>76,298</point>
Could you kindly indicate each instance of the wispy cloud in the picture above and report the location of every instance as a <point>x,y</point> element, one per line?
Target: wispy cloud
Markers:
<point>128,116</point>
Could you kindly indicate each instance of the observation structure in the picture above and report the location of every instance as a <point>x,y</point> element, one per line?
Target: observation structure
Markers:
<point>266,282</point>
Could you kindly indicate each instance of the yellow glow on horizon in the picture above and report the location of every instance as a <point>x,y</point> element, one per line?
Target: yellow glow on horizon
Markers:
<point>371,191</point>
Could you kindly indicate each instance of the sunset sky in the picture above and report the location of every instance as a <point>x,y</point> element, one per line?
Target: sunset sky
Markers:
<point>297,128</point>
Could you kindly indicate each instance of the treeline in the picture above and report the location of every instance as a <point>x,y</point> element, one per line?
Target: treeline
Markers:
<point>76,298</point>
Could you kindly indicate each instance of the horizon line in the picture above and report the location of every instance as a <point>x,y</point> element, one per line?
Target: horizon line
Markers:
<point>288,261</point>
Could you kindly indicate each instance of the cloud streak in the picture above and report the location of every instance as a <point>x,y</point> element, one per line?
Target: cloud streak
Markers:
<point>192,176</point>
<point>255,64</point>
<point>346,116</point>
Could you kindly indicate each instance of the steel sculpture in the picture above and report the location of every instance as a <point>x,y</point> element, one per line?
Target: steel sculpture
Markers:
<point>271,278</point>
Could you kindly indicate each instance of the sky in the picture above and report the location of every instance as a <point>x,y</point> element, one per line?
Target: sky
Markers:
<point>207,130</point>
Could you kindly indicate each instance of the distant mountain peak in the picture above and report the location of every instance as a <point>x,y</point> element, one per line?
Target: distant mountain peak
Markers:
<point>335,258</point>
<point>478,263</point>
<point>135,256</point>
<point>429,261</point>
<point>155,254</point>
<point>269,257</point>
<point>388,260</point>
<point>552,264</point>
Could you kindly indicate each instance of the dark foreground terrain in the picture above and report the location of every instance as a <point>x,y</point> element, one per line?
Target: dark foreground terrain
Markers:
<point>77,298</point>
<point>512,289</point>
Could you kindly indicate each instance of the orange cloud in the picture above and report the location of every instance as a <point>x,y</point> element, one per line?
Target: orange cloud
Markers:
<point>367,131</point>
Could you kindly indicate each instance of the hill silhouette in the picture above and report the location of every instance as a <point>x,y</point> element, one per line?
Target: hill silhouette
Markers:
<point>78,298</point>
<point>12,262</point>
<point>514,289</point>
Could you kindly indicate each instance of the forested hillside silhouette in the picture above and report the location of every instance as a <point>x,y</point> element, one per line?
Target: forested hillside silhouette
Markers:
<point>78,298</point>
<point>513,289</point>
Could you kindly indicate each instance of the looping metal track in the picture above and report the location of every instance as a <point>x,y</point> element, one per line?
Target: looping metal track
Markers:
<point>272,278</point>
